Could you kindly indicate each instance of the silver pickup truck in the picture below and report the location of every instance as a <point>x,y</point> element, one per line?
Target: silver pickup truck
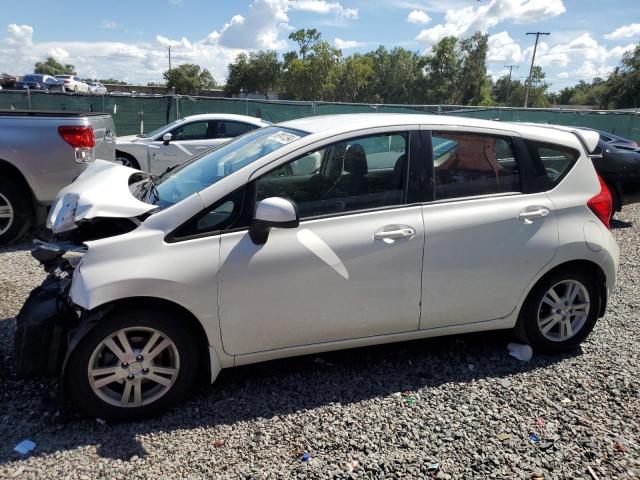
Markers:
<point>41,153</point>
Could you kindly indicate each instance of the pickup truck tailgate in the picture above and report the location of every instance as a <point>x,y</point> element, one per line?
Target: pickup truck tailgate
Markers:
<point>104,132</point>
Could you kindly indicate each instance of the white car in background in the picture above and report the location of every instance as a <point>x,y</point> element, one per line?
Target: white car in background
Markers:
<point>318,234</point>
<point>97,88</point>
<point>178,141</point>
<point>73,83</point>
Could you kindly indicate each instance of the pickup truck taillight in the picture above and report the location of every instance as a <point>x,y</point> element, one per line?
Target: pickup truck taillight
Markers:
<point>82,140</point>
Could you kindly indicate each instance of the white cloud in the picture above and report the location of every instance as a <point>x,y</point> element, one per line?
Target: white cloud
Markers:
<point>262,28</point>
<point>20,35</point>
<point>589,70</point>
<point>563,75</point>
<point>583,47</point>
<point>322,6</point>
<point>626,31</point>
<point>465,21</point>
<point>108,24</point>
<point>502,48</point>
<point>344,44</point>
<point>419,17</point>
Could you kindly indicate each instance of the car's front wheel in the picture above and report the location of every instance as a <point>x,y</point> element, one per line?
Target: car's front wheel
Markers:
<point>560,311</point>
<point>134,364</point>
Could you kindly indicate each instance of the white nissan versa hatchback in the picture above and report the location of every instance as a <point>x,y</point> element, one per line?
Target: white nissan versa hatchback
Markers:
<point>317,234</point>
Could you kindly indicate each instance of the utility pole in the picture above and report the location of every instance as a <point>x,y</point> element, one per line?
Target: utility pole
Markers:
<point>510,67</point>
<point>533,58</point>
<point>169,57</point>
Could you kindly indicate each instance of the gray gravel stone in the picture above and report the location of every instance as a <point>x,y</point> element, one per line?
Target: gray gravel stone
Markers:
<point>350,411</point>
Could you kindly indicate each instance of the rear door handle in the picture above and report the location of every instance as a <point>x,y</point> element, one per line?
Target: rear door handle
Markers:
<point>529,214</point>
<point>393,232</point>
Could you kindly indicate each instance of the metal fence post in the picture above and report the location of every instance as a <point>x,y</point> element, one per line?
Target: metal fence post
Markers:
<point>246,106</point>
<point>29,98</point>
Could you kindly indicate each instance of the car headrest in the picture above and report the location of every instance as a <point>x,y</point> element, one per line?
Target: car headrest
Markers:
<point>355,160</point>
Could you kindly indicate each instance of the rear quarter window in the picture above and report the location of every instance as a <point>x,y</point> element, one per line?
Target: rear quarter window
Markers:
<point>552,162</point>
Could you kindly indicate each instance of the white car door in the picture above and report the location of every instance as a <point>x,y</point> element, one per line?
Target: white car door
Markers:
<point>351,269</point>
<point>485,239</point>
<point>187,140</point>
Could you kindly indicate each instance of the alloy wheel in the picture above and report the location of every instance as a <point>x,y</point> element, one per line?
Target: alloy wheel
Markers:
<point>133,367</point>
<point>6,214</point>
<point>564,310</point>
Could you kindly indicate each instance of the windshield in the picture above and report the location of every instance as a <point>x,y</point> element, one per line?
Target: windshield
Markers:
<point>31,78</point>
<point>155,132</point>
<point>211,167</point>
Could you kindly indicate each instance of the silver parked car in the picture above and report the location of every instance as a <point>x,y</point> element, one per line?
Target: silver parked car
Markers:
<point>317,234</point>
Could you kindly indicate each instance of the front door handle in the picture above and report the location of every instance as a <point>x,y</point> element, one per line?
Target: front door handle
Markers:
<point>529,214</point>
<point>389,233</point>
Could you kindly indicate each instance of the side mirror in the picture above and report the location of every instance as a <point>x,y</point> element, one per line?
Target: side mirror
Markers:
<point>166,138</point>
<point>272,212</point>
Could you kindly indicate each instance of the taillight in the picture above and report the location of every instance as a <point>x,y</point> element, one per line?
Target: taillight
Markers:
<point>67,81</point>
<point>82,140</point>
<point>602,204</point>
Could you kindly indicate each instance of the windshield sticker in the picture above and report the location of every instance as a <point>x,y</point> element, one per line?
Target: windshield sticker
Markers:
<point>283,137</point>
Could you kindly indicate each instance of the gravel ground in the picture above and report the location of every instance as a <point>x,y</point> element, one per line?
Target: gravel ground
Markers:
<point>392,411</point>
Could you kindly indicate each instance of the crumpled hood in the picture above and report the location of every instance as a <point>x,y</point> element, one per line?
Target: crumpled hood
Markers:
<point>102,190</point>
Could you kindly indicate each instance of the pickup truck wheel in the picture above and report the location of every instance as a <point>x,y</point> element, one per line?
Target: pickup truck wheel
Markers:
<point>16,211</point>
<point>127,160</point>
<point>134,364</point>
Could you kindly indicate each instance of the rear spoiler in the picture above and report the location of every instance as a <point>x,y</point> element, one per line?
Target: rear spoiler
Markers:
<point>588,138</point>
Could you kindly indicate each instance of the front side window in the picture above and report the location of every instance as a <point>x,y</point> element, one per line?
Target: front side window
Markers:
<point>358,174</point>
<point>212,166</point>
<point>190,131</point>
<point>469,164</point>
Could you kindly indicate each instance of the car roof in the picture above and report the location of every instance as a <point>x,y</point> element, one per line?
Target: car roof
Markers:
<point>334,124</point>
<point>226,116</point>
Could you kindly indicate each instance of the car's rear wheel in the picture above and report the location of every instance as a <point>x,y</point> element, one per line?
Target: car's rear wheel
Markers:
<point>560,311</point>
<point>16,211</point>
<point>134,364</point>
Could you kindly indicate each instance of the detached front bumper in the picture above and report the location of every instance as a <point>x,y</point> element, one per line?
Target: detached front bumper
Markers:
<point>46,319</point>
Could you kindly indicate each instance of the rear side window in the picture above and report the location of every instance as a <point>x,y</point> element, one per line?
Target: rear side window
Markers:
<point>551,161</point>
<point>228,129</point>
<point>469,164</point>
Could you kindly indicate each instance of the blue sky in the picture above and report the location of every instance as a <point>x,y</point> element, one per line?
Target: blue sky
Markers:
<point>129,39</point>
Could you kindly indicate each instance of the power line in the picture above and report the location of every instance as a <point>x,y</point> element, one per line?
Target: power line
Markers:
<point>533,58</point>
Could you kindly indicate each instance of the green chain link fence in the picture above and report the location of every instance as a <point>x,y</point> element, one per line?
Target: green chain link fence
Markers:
<point>137,114</point>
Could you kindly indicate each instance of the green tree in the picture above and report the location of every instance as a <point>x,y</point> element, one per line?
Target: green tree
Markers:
<point>537,93</point>
<point>315,73</point>
<point>356,74</point>
<point>473,73</point>
<point>623,86</point>
<point>442,70</point>
<point>306,39</point>
<point>112,81</point>
<point>257,72</point>
<point>504,91</point>
<point>189,79</point>
<point>396,77</point>
<point>52,67</point>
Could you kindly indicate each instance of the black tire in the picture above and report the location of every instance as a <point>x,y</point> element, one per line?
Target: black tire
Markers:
<point>19,201</point>
<point>527,329</point>
<point>127,160</point>
<point>76,378</point>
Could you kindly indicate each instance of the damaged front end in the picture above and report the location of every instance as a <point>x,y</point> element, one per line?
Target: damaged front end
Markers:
<point>48,316</point>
